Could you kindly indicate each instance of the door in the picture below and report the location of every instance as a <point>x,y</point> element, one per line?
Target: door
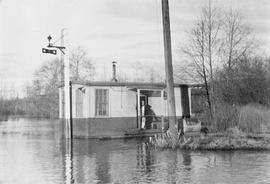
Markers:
<point>185,101</point>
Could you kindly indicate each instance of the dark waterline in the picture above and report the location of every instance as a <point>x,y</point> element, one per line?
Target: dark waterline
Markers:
<point>32,151</point>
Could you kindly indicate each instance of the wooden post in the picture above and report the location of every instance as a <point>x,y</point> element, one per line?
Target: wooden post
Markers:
<point>60,102</point>
<point>62,75</point>
<point>67,90</point>
<point>168,66</point>
<point>67,96</point>
<point>70,107</point>
<point>163,112</point>
<point>139,108</point>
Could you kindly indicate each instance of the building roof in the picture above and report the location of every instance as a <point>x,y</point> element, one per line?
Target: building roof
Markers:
<point>140,85</point>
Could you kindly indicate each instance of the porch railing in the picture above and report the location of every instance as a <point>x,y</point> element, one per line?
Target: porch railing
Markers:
<point>153,122</point>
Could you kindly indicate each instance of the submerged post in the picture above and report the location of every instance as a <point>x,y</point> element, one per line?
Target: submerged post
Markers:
<point>168,66</point>
<point>67,88</point>
<point>67,97</point>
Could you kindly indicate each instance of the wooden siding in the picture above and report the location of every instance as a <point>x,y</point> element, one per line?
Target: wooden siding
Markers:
<point>121,102</point>
<point>79,103</point>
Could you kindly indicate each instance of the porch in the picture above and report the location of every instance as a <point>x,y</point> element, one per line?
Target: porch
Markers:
<point>150,108</point>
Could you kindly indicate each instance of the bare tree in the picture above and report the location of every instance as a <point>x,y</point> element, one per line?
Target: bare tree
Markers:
<point>42,93</point>
<point>237,43</point>
<point>203,48</point>
<point>185,73</point>
<point>47,78</point>
<point>138,73</point>
<point>154,75</point>
<point>122,77</point>
<point>81,65</point>
<point>146,73</point>
<point>237,39</point>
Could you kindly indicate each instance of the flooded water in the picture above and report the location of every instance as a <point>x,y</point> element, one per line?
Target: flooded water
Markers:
<point>31,151</point>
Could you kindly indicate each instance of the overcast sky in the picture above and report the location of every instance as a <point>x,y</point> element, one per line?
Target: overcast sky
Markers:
<point>127,31</point>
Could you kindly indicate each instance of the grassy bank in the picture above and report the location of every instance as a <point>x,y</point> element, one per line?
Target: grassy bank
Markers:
<point>232,139</point>
<point>246,127</point>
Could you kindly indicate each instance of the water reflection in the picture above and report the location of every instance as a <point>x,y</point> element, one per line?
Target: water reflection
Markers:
<point>120,161</point>
<point>36,154</point>
<point>172,167</point>
<point>103,166</point>
<point>186,160</point>
<point>144,157</point>
<point>108,160</point>
<point>100,156</point>
<point>68,161</point>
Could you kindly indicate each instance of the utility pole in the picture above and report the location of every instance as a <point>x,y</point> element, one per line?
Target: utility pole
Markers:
<point>68,120</point>
<point>168,66</point>
<point>62,94</point>
<point>62,43</point>
<point>67,86</point>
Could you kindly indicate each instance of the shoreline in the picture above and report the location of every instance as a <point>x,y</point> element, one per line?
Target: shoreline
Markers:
<point>226,143</point>
<point>219,142</point>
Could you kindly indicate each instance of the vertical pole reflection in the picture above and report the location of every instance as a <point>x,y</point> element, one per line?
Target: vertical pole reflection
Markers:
<point>187,177</point>
<point>145,159</point>
<point>68,161</point>
<point>140,158</point>
<point>103,167</point>
<point>186,160</point>
<point>172,162</point>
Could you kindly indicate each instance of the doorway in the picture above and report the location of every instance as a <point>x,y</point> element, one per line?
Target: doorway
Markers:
<point>143,105</point>
<point>143,100</point>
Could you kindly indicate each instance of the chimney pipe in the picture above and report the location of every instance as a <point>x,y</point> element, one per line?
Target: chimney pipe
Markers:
<point>114,71</point>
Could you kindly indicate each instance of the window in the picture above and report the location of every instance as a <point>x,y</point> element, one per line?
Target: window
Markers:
<point>79,103</point>
<point>102,102</point>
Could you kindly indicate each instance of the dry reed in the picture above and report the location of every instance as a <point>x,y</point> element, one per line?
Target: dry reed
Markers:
<point>254,118</point>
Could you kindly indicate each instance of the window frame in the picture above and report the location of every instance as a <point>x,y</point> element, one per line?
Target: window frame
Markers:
<point>98,104</point>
